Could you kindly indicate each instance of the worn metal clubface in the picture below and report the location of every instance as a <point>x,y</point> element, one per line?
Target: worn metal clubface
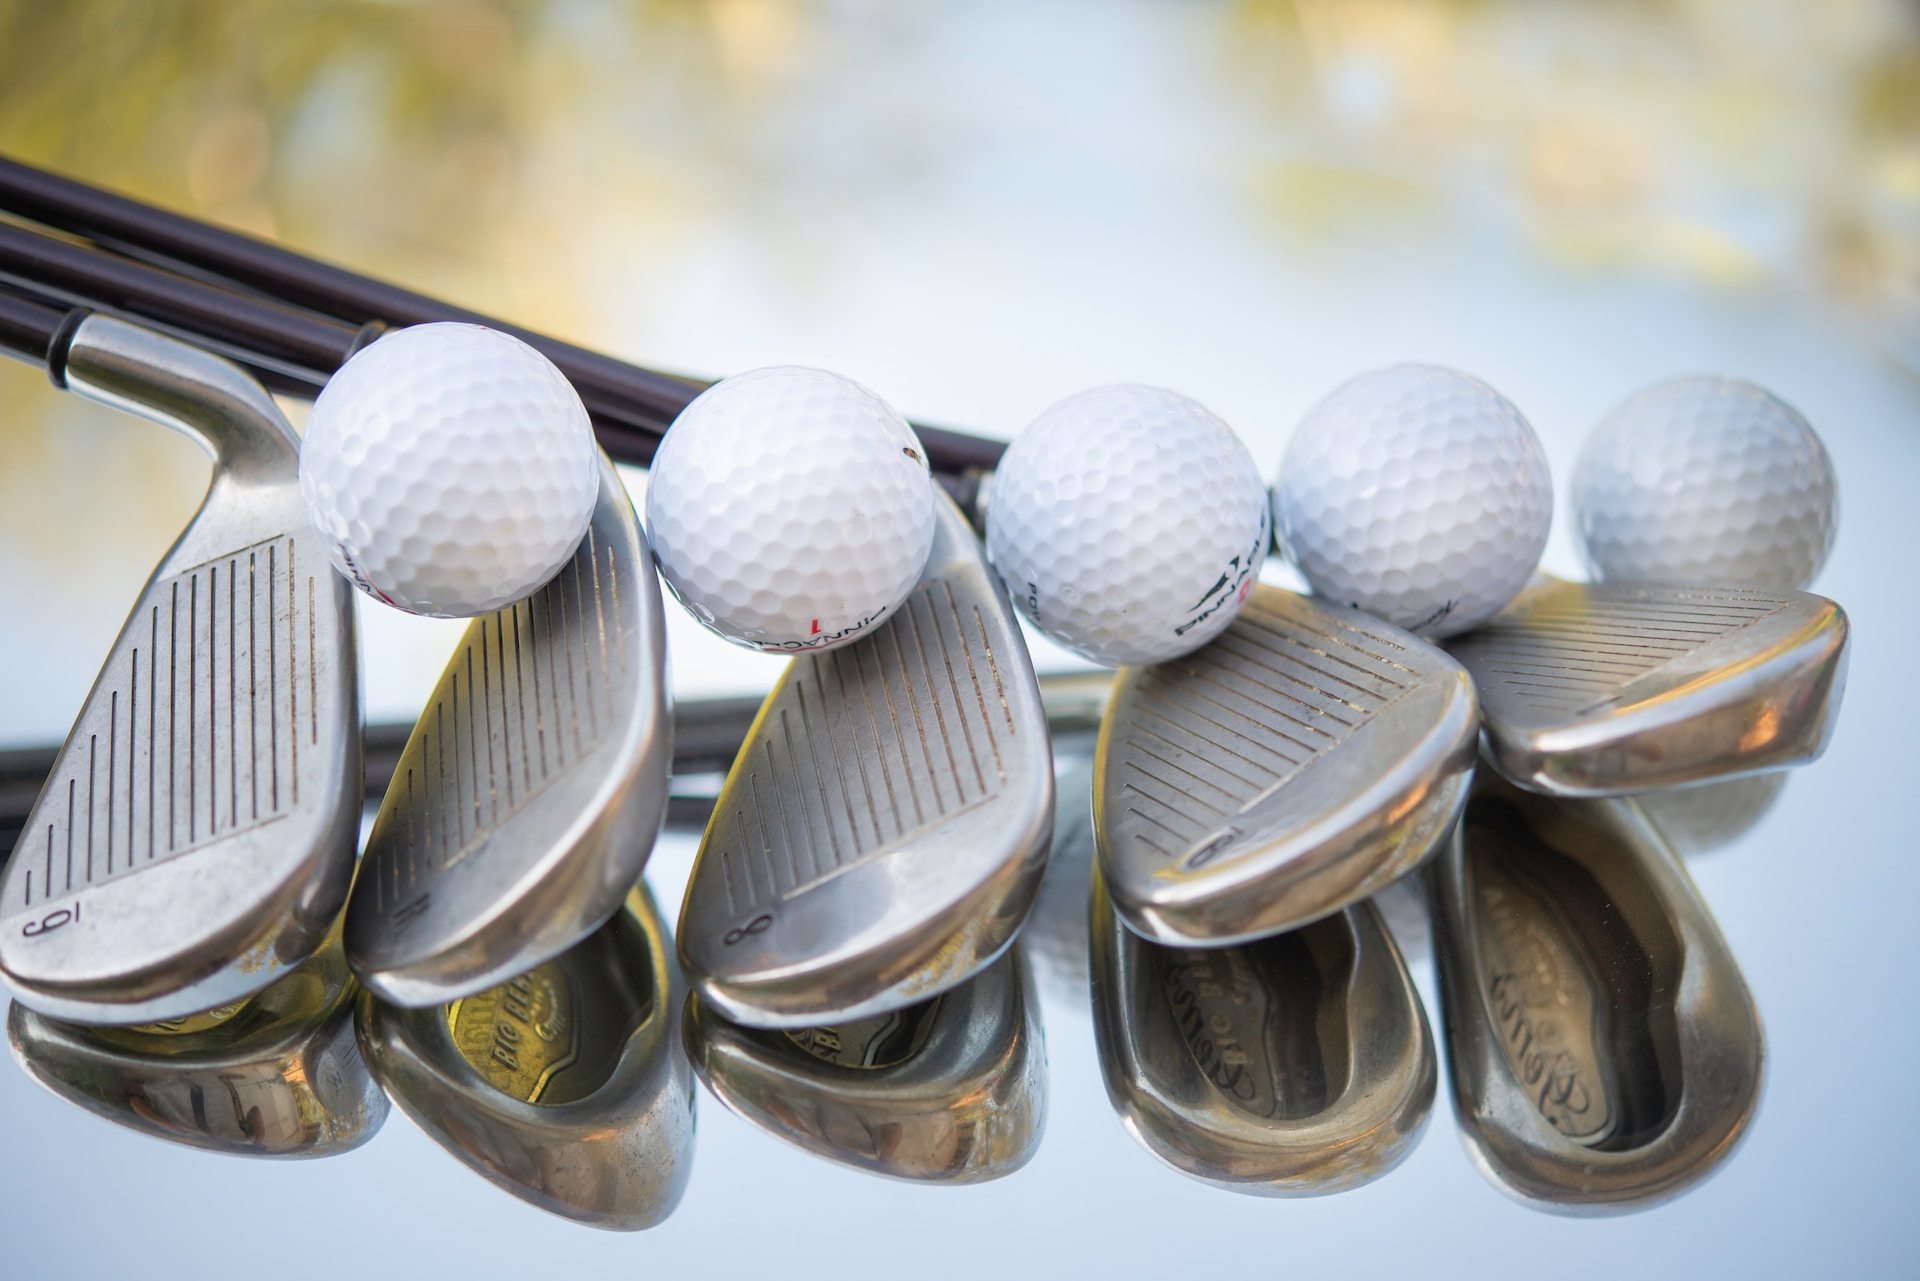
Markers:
<point>566,1086</point>
<point>195,839</point>
<point>953,1090</point>
<point>885,826</point>
<point>1602,689</point>
<point>532,788</point>
<point>1303,759</point>
<point>276,1075</point>
<point>1294,1066</point>
<point>1604,1051</point>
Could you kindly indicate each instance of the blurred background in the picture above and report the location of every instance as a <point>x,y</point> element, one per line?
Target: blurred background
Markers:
<point>976,210</point>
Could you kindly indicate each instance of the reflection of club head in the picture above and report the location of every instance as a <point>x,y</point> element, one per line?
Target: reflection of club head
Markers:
<point>953,1090</point>
<point>1604,1052</point>
<point>195,839</point>
<point>1293,1066</point>
<point>533,784</point>
<point>885,826</point>
<point>1303,759</point>
<point>1600,689</point>
<point>565,1086</point>
<point>276,1075</point>
<point>1697,819</point>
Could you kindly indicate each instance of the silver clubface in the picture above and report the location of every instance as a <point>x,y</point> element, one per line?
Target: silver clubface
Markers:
<point>885,826</point>
<point>952,1090</point>
<point>533,785</point>
<point>195,839</point>
<point>1604,1052</point>
<point>1601,689</point>
<point>1304,758</point>
<point>1293,1066</point>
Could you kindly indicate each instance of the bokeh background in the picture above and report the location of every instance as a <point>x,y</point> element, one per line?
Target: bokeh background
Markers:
<point>977,209</point>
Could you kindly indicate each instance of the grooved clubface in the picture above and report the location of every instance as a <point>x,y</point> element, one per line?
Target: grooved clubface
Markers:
<point>882,831</point>
<point>1300,761</point>
<point>1596,689</point>
<point>530,791</point>
<point>195,837</point>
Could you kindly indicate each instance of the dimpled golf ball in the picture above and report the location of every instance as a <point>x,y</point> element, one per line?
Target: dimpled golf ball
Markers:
<point>1417,494</point>
<point>1706,480</point>
<point>1128,523</point>
<point>790,509</point>
<point>452,467</point>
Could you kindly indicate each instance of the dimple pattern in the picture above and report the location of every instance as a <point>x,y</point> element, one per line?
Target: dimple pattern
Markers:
<point>452,468</point>
<point>1706,480</point>
<point>1417,494</point>
<point>1128,523</point>
<point>790,509</point>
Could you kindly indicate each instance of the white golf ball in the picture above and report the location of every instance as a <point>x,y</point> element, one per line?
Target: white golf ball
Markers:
<point>1128,523</point>
<point>790,509</point>
<point>1417,494</point>
<point>1706,480</point>
<point>452,467</point>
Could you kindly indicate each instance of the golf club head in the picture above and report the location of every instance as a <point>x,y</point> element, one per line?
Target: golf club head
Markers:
<point>1296,1065</point>
<point>565,1086</point>
<point>952,1090</point>
<point>1604,1052</point>
<point>530,792</point>
<point>1698,819</point>
<point>1603,689</point>
<point>1301,760</point>
<point>276,1075</point>
<point>883,830</point>
<point>195,839</point>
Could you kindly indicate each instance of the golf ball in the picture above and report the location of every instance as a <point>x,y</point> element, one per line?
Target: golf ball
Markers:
<point>1706,480</point>
<point>790,509</point>
<point>1417,494</point>
<point>452,468</point>
<point>1128,523</point>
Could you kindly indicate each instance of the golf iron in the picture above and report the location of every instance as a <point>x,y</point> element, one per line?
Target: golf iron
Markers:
<point>1301,760</point>
<point>885,826</point>
<point>195,839</point>
<point>531,790</point>
<point>1604,689</point>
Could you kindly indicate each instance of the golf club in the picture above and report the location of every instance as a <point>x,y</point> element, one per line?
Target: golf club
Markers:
<point>195,838</point>
<point>532,787</point>
<point>1603,689</point>
<point>885,826</point>
<point>1301,760</point>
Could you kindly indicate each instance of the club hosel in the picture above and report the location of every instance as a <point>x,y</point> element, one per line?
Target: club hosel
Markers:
<point>178,385</point>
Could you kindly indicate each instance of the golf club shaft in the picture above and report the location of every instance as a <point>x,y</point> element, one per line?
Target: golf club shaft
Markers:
<point>248,294</point>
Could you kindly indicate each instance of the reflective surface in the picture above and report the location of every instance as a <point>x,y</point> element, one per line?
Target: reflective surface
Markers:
<point>977,210</point>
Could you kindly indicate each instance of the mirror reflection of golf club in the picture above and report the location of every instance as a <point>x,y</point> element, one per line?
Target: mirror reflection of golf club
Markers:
<point>195,839</point>
<point>952,1090</point>
<point>1300,761</point>
<point>1602,689</point>
<point>532,787</point>
<point>1604,1052</point>
<point>566,1086</point>
<point>1294,1065</point>
<point>885,826</point>
<point>276,1075</point>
